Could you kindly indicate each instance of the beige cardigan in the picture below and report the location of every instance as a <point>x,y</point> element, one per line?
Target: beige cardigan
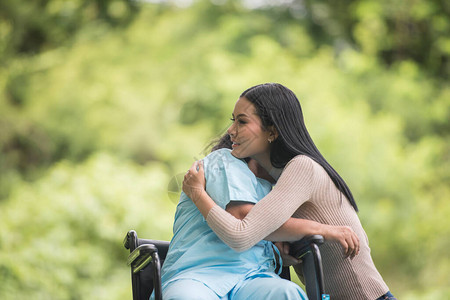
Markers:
<point>304,190</point>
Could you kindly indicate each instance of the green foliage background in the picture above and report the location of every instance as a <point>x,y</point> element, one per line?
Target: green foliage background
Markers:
<point>103,103</point>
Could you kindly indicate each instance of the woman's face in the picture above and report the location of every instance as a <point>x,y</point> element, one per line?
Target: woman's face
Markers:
<point>249,137</point>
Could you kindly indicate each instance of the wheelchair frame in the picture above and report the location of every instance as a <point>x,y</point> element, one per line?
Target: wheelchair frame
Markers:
<point>147,257</point>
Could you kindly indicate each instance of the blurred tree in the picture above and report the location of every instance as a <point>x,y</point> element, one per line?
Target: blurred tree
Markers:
<point>60,236</point>
<point>392,31</point>
<point>30,27</point>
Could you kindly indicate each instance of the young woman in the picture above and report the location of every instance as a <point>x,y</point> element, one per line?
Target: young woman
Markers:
<point>268,127</point>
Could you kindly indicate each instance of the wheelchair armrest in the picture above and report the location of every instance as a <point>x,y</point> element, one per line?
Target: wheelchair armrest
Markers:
<point>142,256</point>
<point>143,253</point>
<point>307,249</point>
<point>300,248</point>
<point>162,246</point>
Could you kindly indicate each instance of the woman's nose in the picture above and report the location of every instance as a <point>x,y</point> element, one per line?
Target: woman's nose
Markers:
<point>231,130</point>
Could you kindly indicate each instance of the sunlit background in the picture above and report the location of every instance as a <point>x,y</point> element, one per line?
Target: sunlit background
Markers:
<point>103,103</point>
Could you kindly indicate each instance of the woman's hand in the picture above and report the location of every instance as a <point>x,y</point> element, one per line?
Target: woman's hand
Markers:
<point>288,260</point>
<point>194,181</point>
<point>345,236</point>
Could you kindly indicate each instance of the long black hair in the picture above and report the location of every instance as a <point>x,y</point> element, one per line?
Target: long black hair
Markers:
<point>279,107</point>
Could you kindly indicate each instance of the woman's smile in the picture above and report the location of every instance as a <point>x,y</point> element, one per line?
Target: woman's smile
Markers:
<point>234,144</point>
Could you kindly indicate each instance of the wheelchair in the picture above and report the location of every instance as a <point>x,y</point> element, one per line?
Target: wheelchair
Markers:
<point>147,257</point>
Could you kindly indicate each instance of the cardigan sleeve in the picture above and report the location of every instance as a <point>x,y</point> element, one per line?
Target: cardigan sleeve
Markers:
<point>293,188</point>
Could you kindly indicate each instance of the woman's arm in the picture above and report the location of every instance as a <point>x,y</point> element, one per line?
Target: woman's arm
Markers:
<point>294,229</point>
<point>270,213</point>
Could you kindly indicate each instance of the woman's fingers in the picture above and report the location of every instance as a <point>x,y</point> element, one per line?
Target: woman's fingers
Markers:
<point>193,169</point>
<point>200,169</point>
<point>353,242</point>
<point>344,246</point>
<point>194,180</point>
<point>188,180</point>
<point>346,237</point>
<point>349,241</point>
<point>196,168</point>
<point>351,246</point>
<point>357,246</point>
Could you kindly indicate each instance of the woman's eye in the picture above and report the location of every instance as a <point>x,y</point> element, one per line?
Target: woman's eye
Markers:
<point>240,121</point>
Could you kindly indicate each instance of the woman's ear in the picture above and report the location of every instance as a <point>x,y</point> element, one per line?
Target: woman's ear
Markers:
<point>273,133</point>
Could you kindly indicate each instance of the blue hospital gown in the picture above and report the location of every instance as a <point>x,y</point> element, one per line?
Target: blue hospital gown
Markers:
<point>195,251</point>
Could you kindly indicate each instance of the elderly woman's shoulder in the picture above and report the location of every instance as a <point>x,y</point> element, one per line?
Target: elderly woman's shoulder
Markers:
<point>222,158</point>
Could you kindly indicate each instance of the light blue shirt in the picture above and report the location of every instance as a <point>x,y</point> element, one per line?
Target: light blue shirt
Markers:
<point>195,250</point>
